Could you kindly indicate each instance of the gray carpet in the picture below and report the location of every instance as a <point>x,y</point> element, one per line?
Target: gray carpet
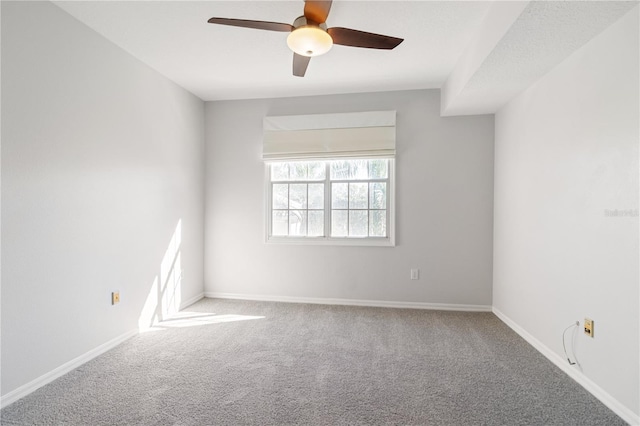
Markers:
<point>316,365</point>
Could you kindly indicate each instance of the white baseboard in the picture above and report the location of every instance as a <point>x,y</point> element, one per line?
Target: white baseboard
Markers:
<point>186,303</point>
<point>351,302</point>
<point>625,413</point>
<point>49,377</point>
<point>614,405</point>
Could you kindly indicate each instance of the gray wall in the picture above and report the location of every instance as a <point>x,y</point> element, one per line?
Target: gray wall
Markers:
<point>566,159</point>
<point>444,208</point>
<point>101,159</point>
<point>103,189</point>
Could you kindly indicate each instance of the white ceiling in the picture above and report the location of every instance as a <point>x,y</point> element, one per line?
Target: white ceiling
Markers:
<point>221,62</point>
<point>218,62</point>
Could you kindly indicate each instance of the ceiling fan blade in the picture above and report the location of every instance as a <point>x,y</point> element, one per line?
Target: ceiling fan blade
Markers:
<point>300,64</point>
<point>317,10</point>
<point>259,25</point>
<point>355,38</point>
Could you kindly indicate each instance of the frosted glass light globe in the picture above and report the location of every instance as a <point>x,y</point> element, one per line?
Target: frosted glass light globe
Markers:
<point>309,40</point>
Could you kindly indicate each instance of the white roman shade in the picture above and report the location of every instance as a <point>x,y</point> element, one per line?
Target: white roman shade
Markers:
<point>323,136</point>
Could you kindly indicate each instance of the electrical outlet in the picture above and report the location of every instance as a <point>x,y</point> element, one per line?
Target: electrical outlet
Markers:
<point>415,274</point>
<point>588,327</point>
<point>115,297</point>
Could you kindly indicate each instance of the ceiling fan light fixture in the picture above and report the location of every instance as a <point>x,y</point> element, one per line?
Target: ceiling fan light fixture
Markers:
<point>309,35</point>
<point>309,40</point>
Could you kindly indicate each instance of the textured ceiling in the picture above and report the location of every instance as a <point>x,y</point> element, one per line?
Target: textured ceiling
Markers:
<point>542,36</point>
<point>546,32</point>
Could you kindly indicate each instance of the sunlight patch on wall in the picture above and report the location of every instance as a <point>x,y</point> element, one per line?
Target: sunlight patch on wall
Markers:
<point>171,275</point>
<point>165,294</point>
<point>149,315</point>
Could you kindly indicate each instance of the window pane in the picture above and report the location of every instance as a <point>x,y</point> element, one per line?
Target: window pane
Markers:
<point>279,223</point>
<point>298,196</point>
<point>378,195</point>
<point>298,170</point>
<point>317,170</point>
<point>316,196</point>
<point>358,226</point>
<point>358,169</point>
<point>316,223</point>
<point>377,223</point>
<point>279,171</point>
<point>378,169</point>
<point>349,170</point>
<point>339,195</point>
<point>297,222</point>
<point>358,194</point>
<point>339,223</point>
<point>339,170</point>
<point>280,196</point>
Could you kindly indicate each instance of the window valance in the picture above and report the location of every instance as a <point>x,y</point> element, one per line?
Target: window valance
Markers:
<point>324,136</point>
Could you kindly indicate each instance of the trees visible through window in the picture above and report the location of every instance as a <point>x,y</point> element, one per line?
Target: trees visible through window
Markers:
<point>328,200</point>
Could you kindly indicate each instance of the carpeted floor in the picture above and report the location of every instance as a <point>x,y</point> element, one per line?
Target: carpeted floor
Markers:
<point>228,362</point>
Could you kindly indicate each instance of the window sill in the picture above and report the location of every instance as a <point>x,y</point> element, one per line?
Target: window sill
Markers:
<point>325,241</point>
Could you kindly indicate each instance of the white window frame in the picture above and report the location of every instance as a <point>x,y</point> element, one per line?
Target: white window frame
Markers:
<point>388,241</point>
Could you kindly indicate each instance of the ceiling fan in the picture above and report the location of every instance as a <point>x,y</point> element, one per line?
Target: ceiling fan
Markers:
<point>309,35</point>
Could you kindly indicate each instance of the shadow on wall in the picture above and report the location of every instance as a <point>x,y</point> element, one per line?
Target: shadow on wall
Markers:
<point>165,295</point>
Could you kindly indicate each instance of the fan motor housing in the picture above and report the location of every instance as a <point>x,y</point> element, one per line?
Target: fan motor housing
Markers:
<point>302,21</point>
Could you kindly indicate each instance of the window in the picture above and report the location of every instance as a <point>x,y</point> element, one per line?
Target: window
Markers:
<point>330,178</point>
<point>344,201</point>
